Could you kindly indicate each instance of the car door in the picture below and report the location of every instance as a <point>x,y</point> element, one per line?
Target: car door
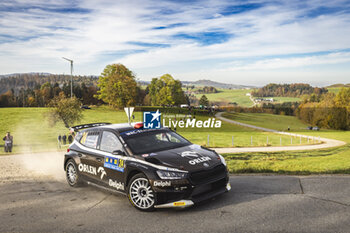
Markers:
<point>114,163</point>
<point>90,158</point>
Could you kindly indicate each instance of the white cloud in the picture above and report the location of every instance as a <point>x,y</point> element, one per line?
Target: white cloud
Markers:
<point>35,39</point>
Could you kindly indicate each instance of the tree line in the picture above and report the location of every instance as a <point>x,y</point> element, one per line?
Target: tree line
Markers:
<point>16,82</point>
<point>116,86</point>
<point>288,90</point>
<point>41,95</point>
<point>327,110</point>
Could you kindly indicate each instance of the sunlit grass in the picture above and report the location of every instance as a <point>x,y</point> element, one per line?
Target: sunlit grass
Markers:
<point>32,132</point>
<point>333,160</point>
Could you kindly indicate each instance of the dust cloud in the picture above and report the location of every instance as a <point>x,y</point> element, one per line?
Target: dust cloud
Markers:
<point>43,164</point>
<point>40,164</point>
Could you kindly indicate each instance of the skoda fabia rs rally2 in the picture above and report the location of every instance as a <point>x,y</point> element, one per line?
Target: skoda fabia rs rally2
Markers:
<point>155,168</point>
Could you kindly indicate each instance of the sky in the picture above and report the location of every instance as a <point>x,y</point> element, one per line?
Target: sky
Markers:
<point>239,42</point>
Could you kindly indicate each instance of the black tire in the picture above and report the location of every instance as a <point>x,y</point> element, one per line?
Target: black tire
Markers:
<point>140,193</point>
<point>72,174</point>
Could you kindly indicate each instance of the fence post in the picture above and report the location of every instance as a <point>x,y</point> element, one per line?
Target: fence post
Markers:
<point>267,140</point>
<point>232,141</point>
<point>208,140</point>
<point>308,139</point>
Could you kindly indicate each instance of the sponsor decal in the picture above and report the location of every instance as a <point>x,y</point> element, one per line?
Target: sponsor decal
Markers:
<point>190,154</point>
<point>102,171</point>
<point>179,203</point>
<point>87,169</point>
<point>83,138</point>
<point>151,120</point>
<point>161,183</point>
<point>195,158</point>
<point>115,184</point>
<point>92,170</point>
<point>114,164</point>
<point>135,131</point>
<point>199,160</point>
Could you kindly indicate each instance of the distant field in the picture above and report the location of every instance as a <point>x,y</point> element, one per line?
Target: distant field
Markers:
<point>333,160</point>
<point>269,121</point>
<point>32,133</point>
<point>230,96</point>
<point>334,90</point>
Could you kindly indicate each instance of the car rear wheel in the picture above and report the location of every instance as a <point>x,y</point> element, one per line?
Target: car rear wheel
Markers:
<point>72,174</point>
<point>140,193</point>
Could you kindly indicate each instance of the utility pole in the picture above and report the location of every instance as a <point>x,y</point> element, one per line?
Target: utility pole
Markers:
<point>71,76</point>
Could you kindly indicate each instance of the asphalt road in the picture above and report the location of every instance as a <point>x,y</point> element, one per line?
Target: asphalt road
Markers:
<point>34,197</point>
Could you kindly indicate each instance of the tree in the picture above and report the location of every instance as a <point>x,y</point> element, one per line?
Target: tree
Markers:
<point>327,110</point>
<point>65,109</point>
<point>203,101</point>
<point>118,86</point>
<point>166,91</point>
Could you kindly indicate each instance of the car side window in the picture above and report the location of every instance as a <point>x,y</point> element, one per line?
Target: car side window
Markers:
<point>110,142</point>
<point>89,139</point>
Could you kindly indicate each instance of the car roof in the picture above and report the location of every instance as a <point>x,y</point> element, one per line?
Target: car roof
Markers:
<point>117,127</point>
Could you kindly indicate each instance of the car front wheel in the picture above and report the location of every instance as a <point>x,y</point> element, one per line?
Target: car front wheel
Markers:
<point>140,193</point>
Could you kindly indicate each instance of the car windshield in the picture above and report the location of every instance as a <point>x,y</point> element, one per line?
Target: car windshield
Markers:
<point>147,141</point>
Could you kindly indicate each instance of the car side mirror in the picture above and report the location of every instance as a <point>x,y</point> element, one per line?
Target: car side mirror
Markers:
<point>119,152</point>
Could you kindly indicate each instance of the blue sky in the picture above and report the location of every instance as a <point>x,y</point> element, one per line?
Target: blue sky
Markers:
<point>240,42</point>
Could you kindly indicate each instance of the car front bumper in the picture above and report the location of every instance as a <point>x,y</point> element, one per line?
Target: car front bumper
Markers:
<point>189,203</point>
<point>185,192</point>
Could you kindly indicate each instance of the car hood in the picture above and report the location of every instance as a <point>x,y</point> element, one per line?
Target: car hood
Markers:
<point>188,158</point>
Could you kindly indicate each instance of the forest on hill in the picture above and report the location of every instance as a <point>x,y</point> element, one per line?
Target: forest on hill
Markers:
<point>288,90</point>
<point>18,82</point>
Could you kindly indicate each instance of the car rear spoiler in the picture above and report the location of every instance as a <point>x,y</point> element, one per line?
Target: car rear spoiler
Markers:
<point>85,126</point>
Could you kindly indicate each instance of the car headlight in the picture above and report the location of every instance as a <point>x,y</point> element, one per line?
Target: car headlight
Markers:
<point>222,159</point>
<point>170,175</point>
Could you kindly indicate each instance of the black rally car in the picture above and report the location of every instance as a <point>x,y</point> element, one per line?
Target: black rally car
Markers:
<point>155,168</point>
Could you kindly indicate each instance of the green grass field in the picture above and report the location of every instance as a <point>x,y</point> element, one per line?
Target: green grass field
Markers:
<point>32,132</point>
<point>239,96</point>
<point>326,161</point>
<point>230,96</point>
<point>270,121</point>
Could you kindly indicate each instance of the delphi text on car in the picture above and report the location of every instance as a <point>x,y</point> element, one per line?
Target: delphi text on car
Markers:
<point>155,168</point>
